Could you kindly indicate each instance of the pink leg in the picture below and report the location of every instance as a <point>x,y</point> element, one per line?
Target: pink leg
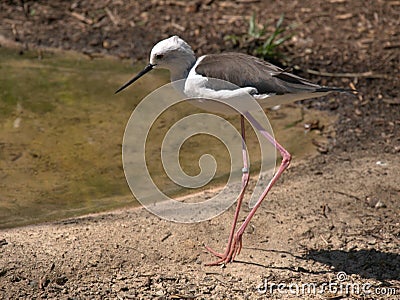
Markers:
<point>235,245</point>
<point>225,257</point>
<point>286,158</point>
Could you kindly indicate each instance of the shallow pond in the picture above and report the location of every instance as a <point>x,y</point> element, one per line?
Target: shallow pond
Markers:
<point>61,131</point>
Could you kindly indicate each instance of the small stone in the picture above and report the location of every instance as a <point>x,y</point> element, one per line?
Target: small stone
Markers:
<point>380,204</point>
<point>372,201</point>
<point>375,202</point>
<point>61,280</point>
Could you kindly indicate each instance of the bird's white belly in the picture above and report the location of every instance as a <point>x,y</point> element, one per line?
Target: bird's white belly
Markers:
<point>213,106</point>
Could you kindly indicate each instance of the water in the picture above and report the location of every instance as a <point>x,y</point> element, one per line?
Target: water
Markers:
<point>61,130</point>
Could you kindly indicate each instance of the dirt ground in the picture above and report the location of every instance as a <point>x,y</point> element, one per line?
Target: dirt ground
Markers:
<point>338,212</point>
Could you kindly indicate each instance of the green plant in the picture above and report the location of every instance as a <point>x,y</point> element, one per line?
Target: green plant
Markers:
<point>255,31</point>
<point>259,41</point>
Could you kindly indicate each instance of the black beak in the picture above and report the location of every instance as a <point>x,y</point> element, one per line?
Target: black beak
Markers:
<point>147,69</point>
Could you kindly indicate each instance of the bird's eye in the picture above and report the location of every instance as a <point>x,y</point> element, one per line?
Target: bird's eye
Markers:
<point>159,56</point>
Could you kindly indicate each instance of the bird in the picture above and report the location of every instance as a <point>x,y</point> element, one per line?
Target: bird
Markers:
<point>267,83</point>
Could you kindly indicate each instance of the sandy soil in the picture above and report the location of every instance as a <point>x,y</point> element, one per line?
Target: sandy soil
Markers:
<point>338,212</point>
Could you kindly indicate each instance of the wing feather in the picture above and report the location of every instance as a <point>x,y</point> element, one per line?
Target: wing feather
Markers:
<point>248,71</point>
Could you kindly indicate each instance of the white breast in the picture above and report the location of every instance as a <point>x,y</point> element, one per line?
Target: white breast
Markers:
<point>215,95</point>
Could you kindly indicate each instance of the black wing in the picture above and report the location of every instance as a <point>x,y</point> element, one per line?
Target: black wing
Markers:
<point>249,71</point>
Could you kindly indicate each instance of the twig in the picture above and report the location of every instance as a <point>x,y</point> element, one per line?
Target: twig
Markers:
<point>348,195</point>
<point>322,238</point>
<point>178,27</point>
<point>166,236</point>
<point>220,280</point>
<point>368,74</point>
<point>391,46</point>
<point>180,296</point>
<point>113,19</point>
<point>344,16</point>
<point>395,101</point>
<point>174,2</point>
<point>14,31</point>
<point>247,1</point>
<point>82,18</point>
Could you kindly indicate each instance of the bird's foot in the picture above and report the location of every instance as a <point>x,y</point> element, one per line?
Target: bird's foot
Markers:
<point>213,252</point>
<point>229,254</point>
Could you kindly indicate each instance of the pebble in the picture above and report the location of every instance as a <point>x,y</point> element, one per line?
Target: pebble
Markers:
<point>380,204</point>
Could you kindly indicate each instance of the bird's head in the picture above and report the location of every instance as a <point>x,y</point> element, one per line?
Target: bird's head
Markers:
<point>170,53</point>
<point>173,54</point>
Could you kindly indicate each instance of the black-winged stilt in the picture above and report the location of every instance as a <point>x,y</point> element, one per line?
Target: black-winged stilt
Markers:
<point>265,82</point>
